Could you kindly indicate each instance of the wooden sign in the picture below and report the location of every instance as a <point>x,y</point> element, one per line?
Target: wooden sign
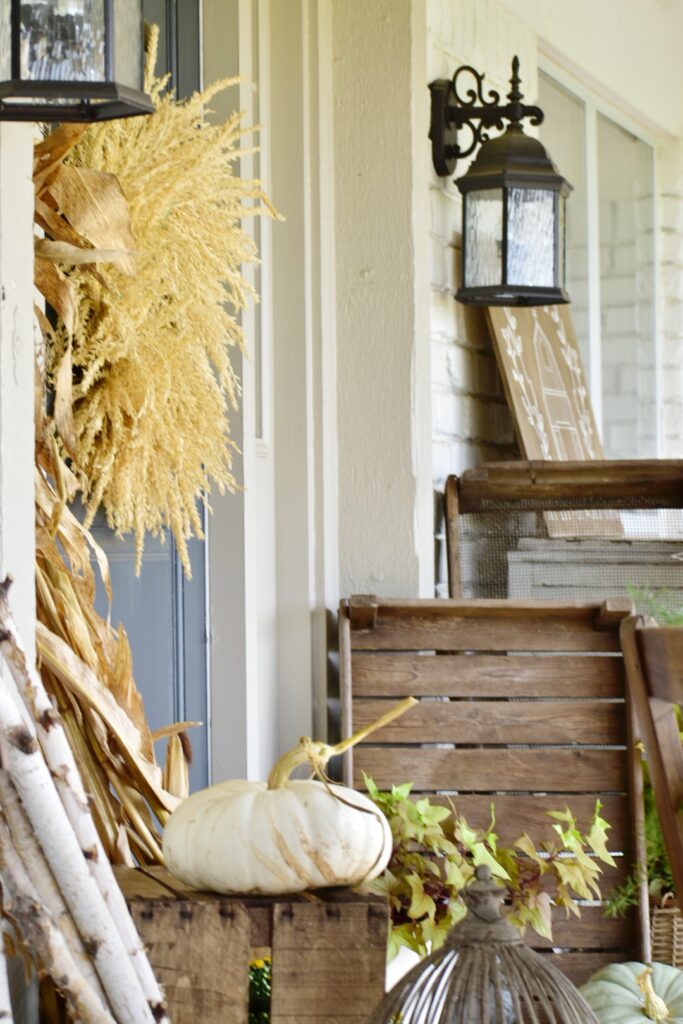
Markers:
<point>540,363</point>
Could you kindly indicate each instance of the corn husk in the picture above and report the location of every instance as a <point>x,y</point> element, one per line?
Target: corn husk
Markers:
<point>144,218</point>
<point>86,666</point>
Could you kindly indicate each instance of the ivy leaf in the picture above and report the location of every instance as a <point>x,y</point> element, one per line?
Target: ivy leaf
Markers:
<point>597,836</point>
<point>421,904</point>
<point>482,855</point>
<point>401,792</point>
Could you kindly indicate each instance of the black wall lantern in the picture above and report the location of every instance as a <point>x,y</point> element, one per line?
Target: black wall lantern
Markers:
<point>71,60</point>
<point>513,195</point>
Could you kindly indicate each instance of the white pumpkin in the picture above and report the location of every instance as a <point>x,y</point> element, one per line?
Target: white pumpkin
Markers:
<point>281,836</point>
<point>634,993</point>
<point>242,837</point>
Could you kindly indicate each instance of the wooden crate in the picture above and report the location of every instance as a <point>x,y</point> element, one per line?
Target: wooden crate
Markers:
<point>328,950</point>
<point>523,704</point>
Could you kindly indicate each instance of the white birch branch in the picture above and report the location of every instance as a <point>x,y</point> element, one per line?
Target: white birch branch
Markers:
<point>33,781</point>
<point>43,881</point>
<point>61,762</point>
<point>6,1016</point>
<point>40,933</point>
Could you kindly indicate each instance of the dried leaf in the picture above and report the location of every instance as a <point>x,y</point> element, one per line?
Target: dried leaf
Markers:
<point>49,154</point>
<point>93,203</point>
<point>63,408</point>
<point>58,291</point>
<point>176,770</point>
<point>73,255</point>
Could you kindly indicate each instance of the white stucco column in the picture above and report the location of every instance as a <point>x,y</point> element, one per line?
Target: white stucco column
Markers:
<point>17,531</point>
<point>381,175</point>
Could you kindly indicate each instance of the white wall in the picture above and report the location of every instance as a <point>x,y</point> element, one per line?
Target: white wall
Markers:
<point>629,49</point>
<point>17,363</point>
<point>380,114</point>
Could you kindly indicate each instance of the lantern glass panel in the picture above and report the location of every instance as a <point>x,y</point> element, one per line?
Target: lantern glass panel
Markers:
<point>128,43</point>
<point>483,238</point>
<point>531,237</point>
<point>62,40</point>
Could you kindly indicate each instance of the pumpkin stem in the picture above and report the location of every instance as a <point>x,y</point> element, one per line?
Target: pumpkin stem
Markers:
<point>317,754</point>
<point>655,1008</point>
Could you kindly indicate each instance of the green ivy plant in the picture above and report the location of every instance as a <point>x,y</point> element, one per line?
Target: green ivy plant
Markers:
<point>436,852</point>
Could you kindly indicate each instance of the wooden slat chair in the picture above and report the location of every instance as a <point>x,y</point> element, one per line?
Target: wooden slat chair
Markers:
<point>557,487</point>
<point>653,658</point>
<point>522,704</point>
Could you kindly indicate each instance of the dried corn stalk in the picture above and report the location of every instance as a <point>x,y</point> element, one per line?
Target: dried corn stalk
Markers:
<point>140,358</point>
<point>86,666</point>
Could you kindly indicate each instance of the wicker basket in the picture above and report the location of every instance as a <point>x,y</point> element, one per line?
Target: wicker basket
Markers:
<point>667,933</point>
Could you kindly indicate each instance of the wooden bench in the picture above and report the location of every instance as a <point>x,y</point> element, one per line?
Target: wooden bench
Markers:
<point>557,487</point>
<point>328,950</point>
<point>523,704</point>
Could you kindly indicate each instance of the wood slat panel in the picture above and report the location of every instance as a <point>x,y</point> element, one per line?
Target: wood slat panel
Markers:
<point>328,962</point>
<point>579,967</point>
<point>591,931</point>
<point>518,814</point>
<point>434,630</point>
<point>466,721</point>
<point>460,675</point>
<point>491,769</point>
<point>203,980</point>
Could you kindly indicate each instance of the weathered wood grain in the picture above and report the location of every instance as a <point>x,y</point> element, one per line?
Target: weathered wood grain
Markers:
<point>579,966</point>
<point>632,483</point>
<point>496,721</point>
<point>590,932</point>
<point>200,956</point>
<point>492,769</point>
<point>462,675</point>
<point>435,631</point>
<point>328,962</point>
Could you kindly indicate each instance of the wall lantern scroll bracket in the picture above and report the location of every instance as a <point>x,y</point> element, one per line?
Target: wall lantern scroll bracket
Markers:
<point>474,110</point>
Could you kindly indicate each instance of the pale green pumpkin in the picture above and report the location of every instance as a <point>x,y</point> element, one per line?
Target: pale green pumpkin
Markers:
<point>634,993</point>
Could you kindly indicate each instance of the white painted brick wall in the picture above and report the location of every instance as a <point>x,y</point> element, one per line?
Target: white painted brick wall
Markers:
<point>471,421</point>
<point>670,271</point>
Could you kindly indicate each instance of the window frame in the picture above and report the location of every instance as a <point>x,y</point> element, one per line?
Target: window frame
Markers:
<point>594,106</point>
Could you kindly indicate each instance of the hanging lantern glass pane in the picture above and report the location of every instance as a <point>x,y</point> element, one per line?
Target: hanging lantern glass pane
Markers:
<point>531,237</point>
<point>63,40</point>
<point>128,43</point>
<point>483,253</point>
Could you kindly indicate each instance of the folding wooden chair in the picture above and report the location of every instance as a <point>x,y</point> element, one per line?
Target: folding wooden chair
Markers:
<point>520,703</point>
<point>653,658</point>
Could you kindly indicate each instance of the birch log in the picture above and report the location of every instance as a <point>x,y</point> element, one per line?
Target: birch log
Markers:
<point>40,933</point>
<point>6,1016</point>
<point>43,881</point>
<point>60,759</point>
<point>33,781</point>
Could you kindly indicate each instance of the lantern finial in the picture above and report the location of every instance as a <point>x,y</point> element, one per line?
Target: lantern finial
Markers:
<point>484,974</point>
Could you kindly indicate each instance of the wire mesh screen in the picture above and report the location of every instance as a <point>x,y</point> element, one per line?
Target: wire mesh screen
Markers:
<point>519,549</point>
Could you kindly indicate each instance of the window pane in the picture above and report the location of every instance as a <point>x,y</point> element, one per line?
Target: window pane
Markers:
<point>483,238</point>
<point>63,42</point>
<point>563,135</point>
<point>531,237</point>
<point>625,171</point>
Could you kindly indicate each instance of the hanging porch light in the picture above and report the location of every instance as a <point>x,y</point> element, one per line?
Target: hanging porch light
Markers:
<point>71,60</point>
<point>484,974</point>
<point>513,248</point>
